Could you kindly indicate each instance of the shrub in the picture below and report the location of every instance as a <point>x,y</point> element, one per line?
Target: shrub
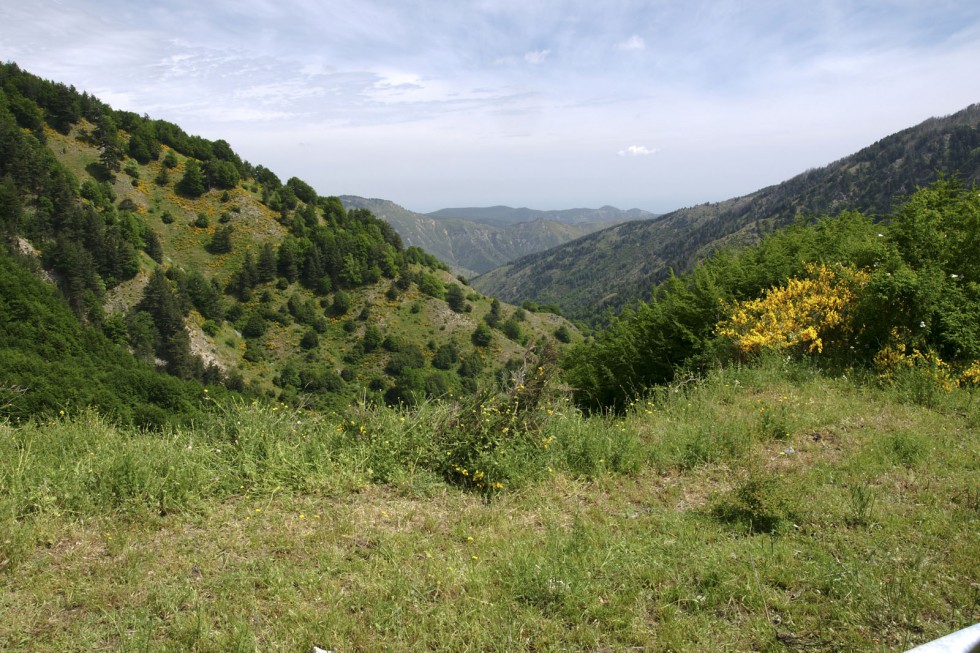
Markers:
<point>802,316</point>
<point>482,336</point>
<point>493,440</point>
<point>760,502</point>
<point>310,340</point>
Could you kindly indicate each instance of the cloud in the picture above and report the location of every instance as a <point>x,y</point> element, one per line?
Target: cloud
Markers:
<point>632,43</point>
<point>536,56</point>
<point>637,150</point>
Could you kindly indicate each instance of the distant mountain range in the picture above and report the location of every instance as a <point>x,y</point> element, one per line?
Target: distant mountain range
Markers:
<point>474,240</point>
<point>510,215</point>
<point>611,268</point>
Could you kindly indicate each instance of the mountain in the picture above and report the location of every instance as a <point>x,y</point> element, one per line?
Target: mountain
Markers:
<point>475,240</point>
<point>173,254</point>
<point>609,269</point>
<point>510,215</point>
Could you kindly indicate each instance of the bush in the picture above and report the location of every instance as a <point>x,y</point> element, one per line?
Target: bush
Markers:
<point>310,340</point>
<point>494,441</point>
<point>760,502</point>
<point>430,285</point>
<point>482,336</point>
<point>341,303</point>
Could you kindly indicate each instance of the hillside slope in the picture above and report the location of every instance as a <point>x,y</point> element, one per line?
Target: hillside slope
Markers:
<point>611,268</point>
<point>214,269</point>
<point>473,241</point>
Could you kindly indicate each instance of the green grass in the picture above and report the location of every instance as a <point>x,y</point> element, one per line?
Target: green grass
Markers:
<point>691,523</point>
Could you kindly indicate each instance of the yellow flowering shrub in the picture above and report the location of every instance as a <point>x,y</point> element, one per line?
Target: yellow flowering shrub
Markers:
<point>897,358</point>
<point>804,315</point>
<point>971,375</point>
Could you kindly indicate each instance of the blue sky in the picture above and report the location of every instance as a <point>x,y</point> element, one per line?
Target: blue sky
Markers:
<point>547,104</point>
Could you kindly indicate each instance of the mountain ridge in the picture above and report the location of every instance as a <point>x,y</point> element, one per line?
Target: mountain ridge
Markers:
<point>502,214</point>
<point>606,270</point>
<point>480,238</point>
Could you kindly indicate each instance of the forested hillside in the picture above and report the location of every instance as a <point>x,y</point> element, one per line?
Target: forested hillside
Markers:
<point>610,269</point>
<point>900,297</point>
<point>213,269</point>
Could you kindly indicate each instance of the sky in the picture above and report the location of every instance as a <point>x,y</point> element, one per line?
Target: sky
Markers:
<point>547,104</point>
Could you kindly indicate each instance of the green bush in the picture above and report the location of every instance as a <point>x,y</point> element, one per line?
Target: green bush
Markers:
<point>759,502</point>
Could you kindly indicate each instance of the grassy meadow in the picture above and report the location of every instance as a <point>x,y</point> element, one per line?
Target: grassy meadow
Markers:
<point>765,508</point>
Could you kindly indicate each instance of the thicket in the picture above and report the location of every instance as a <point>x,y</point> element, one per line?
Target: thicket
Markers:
<point>50,363</point>
<point>844,291</point>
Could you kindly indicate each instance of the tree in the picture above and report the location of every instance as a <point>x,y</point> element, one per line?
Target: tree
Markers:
<point>493,317</point>
<point>482,335</point>
<point>310,340</point>
<point>10,205</point>
<point>267,262</point>
<point>512,329</point>
<point>455,298</point>
<point>446,357</point>
<point>341,303</point>
<point>152,246</point>
<point>372,338</point>
<point>107,137</point>
<point>174,343</point>
<point>302,190</point>
<point>192,183</point>
<point>221,174</point>
<point>431,286</point>
<point>170,160</point>
<point>562,334</point>
<point>221,240</point>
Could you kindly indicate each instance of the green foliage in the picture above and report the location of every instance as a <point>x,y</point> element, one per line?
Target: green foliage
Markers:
<point>914,289</point>
<point>372,338</point>
<point>191,183</point>
<point>446,357</point>
<point>173,343</point>
<point>220,174</point>
<point>492,318</point>
<point>63,365</point>
<point>456,298</point>
<point>562,334</point>
<point>512,329</point>
<point>759,502</point>
<point>310,340</point>
<point>482,336</point>
<point>341,303</point>
<point>491,442</point>
<point>220,242</point>
<point>430,285</point>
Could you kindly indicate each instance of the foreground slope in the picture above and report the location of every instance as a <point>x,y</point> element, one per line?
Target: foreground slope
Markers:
<point>611,268</point>
<point>268,530</point>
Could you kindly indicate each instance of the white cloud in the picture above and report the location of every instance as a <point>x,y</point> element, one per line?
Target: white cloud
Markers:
<point>536,56</point>
<point>637,150</point>
<point>279,92</point>
<point>632,43</point>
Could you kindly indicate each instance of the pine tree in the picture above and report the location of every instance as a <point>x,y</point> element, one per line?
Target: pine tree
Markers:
<point>192,183</point>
